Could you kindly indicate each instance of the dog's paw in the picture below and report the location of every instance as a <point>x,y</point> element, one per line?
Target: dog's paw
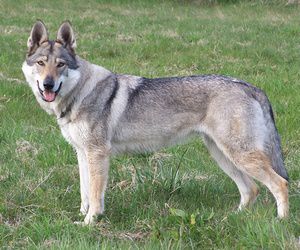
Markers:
<point>80,223</point>
<point>84,208</point>
<point>90,218</point>
<point>92,215</point>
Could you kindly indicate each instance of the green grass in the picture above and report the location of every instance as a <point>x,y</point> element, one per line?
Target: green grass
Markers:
<point>176,198</point>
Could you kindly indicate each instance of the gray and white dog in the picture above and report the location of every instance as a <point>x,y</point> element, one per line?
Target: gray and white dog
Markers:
<point>101,114</point>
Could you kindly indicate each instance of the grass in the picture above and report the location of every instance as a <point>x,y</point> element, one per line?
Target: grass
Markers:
<point>172,199</point>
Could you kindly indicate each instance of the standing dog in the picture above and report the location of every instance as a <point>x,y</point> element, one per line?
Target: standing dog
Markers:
<point>101,113</point>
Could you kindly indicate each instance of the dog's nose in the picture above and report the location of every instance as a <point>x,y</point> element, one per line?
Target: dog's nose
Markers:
<point>48,83</point>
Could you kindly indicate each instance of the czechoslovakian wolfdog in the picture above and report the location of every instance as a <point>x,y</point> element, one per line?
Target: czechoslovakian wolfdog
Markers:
<point>101,114</point>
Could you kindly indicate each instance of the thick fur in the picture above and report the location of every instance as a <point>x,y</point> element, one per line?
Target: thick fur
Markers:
<point>101,113</point>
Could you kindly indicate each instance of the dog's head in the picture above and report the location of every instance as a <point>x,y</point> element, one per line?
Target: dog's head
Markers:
<point>50,65</point>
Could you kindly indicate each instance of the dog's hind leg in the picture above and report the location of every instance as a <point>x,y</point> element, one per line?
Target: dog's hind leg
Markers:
<point>243,129</point>
<point>257,164</point>
<point>247,187</point>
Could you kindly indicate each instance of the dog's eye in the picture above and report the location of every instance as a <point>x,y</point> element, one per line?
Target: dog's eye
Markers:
<point>60,64</point>
<point>41,63</point>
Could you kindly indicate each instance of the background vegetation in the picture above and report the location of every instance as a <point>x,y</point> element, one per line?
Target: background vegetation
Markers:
<point>172,199</point>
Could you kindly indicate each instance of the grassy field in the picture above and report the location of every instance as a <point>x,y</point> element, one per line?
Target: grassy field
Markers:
<point>173,199</point>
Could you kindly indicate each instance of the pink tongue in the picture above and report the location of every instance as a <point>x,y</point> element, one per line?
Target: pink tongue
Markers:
<point>49,96</point>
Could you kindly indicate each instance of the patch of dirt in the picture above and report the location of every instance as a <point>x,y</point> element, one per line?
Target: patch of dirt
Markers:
<point>25,147</point>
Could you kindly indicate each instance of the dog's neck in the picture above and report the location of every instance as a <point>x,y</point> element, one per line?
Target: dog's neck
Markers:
<point>90,76</point>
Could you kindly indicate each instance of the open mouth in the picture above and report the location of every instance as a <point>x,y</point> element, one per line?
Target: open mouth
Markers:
<point>48,95</point>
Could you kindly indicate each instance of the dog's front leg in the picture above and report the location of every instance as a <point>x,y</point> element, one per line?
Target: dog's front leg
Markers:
<point>84,180</point>
<point>98,165</point>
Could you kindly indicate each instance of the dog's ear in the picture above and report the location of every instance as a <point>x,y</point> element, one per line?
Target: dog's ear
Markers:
<point>38,35</point>
<point>65,36</point>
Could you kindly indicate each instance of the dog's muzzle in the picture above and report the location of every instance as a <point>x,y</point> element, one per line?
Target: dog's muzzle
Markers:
<point>48,95</point>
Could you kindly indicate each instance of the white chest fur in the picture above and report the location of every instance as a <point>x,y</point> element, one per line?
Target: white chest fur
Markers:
<point>75,133</point>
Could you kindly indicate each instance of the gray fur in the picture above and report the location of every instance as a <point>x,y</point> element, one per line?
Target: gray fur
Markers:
<point>47,48</point>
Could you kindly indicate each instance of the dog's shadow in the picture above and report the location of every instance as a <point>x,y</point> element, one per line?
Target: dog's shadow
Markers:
<point>157,197</point>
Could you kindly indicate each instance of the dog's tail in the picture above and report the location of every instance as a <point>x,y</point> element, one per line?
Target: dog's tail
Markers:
<point>274,143</point>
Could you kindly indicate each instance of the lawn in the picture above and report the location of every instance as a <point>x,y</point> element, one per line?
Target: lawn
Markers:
<point>172,199</point>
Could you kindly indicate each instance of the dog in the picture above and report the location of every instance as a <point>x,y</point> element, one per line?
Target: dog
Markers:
<point>101,113</point>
